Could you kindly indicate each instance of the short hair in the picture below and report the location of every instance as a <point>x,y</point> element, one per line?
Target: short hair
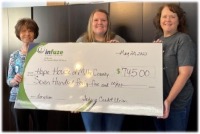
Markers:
<point>29,24</point>
<point>175,8</point>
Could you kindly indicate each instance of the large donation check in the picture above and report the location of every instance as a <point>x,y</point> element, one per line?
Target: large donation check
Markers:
<point>121,78</point>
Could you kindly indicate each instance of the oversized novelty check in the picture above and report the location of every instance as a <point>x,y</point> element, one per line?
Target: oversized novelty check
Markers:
<point>121,78</point>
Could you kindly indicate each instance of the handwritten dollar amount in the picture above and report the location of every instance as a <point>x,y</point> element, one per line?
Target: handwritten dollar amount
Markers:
<point>136,71</point>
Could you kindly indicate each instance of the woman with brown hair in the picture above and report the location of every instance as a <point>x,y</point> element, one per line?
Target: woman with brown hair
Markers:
<point>26,31</point>
<point>179,60</point>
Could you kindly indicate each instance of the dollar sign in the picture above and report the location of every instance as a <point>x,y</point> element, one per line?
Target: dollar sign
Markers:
<point>118,71</point>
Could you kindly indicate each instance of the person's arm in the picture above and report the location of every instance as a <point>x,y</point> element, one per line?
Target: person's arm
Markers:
<point>184,74</point>
<point>79,39</point>
<point>13,79</point>
<point>82,38</point>
<point>117,39</point>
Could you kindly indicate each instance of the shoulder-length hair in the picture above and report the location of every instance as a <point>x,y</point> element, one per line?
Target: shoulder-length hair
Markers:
<point>175,8</point>
<point>89,35</point>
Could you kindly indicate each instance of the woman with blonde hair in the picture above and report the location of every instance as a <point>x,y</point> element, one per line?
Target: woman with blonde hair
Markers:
<point>99,30</point>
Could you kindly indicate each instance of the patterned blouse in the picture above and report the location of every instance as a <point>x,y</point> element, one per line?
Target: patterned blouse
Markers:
<point>16,65</point>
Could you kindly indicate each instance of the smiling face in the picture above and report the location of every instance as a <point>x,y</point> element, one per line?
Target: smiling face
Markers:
<point>26,35</point>
<point>99,23</point>
<point>169,22</point>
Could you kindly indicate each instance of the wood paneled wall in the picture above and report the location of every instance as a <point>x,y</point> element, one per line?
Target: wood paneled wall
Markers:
<point>131,20</point>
